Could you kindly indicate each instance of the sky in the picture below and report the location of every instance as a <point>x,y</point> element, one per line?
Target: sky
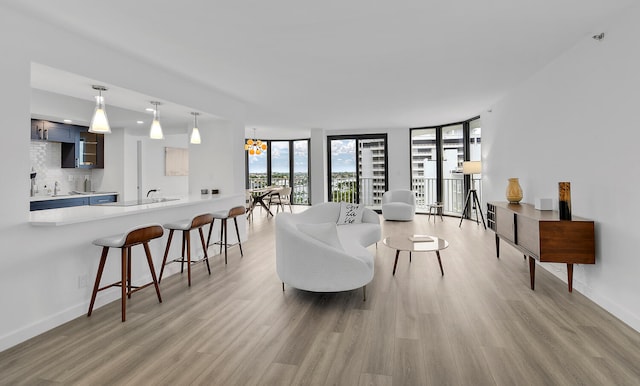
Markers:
<point>343,155</point>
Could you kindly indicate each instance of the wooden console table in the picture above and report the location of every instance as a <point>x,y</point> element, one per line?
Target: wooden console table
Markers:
<point>542,236</point>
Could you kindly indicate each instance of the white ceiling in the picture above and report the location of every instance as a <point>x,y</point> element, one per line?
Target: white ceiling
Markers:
<point>343,64</point>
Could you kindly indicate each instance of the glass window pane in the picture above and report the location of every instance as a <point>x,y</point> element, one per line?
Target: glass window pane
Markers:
<point>343,170</point>
<point>452,177</point>
<point>301,172</point>
<point>424,156</point>
<point>475,135</point>
<point>280,163</point>
<point>475,154</point>
<point>257,170</point>
<point>372,171</point>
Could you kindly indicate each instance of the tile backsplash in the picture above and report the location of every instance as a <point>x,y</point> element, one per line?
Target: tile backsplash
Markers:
<point>45,160</point>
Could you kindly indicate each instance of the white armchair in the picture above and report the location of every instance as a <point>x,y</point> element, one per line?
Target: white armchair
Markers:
<point>399,205</point>
<point>315,254</point>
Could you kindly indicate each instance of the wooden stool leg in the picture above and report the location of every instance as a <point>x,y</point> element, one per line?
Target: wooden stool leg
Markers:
<point>184,240</point>
<point>187,238</point>
<point>96,286</point>
<point>221,232</point>
<point>235,221</point>
<point>166,253</point>
<point>129,272</point>
<point>153,271</point>
<point>204,248</point>
<point>123,285</point>
<point>225,240</point>
<point>210,231</point>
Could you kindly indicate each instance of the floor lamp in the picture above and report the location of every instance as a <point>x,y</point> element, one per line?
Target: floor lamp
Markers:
<point>471,168</point>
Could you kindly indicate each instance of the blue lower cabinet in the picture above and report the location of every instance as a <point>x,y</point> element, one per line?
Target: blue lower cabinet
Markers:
<point>60,203</point>
<point>75,201</point>
<point>102,199</point>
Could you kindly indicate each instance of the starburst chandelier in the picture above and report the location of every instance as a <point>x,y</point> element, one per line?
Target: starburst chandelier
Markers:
<point>255,146</point>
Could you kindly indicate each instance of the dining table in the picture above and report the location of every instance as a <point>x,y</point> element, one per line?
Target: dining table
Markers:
<point>258,196</point>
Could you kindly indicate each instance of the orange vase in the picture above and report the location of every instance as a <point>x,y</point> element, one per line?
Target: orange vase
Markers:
<point>514,191</point>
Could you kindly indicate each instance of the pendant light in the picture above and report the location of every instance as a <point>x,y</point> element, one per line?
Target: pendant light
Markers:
<point>255,146</point>
<point>99,122</point>
<point>156,129</point>
<point>195,133</point>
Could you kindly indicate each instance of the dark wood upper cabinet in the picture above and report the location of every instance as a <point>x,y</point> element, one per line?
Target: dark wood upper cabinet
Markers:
<point>86,152</point>
<point>80,149</point>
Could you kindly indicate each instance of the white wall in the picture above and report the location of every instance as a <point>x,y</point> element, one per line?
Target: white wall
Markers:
<point>213,166</point>
<point>576,120</point>
<point>318,166</point>
<point>114,175</point>
<point>41,267</point>
<point>153,166</point>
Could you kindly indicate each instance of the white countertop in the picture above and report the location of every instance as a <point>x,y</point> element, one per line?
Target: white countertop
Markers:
<point>65,196</point>
<point>87,213</point>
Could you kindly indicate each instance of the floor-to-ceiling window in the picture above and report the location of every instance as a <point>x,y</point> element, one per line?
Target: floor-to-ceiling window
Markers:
<point>280,165</point>
<point>437,155</point>
<point>358,168</point>
<point>301,172</point>
<point>257,176</point>
<point>424,158</point>
<point>475,135</point>
<point>284,163</point>
<point>451,162</point>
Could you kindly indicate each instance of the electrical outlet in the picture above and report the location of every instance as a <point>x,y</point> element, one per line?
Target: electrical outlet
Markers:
<point>83,280</point>
<point>70,178</point>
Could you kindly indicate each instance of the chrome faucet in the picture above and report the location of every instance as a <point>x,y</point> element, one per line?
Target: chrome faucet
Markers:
<point>32,175</point>
<point>55,188</point>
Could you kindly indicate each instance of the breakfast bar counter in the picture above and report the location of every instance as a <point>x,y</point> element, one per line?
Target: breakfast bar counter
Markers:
<point>81,214</point>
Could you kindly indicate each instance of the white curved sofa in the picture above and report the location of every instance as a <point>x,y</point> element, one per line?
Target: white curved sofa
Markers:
<point>310,256</point>
<point>398,205</point>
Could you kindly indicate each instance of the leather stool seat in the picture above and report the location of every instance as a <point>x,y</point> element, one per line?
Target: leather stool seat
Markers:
<point>181,225</point>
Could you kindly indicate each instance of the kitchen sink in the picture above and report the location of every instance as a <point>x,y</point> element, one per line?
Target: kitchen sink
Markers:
<point>144,201</point>
<point>77,193</point>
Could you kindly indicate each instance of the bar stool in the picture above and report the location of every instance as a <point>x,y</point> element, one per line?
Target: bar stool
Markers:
<point>186,226</point>
<point>224,215</point>
<point>139,235</point>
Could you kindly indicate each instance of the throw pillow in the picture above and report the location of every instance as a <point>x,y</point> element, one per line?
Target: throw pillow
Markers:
<point>323,232</point>
<point>350,213</point>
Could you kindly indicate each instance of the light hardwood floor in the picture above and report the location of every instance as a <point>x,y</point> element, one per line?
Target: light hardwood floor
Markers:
<point>479,324</point>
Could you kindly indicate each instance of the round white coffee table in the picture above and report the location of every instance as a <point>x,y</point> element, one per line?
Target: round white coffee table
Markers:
<point>416,243</point>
